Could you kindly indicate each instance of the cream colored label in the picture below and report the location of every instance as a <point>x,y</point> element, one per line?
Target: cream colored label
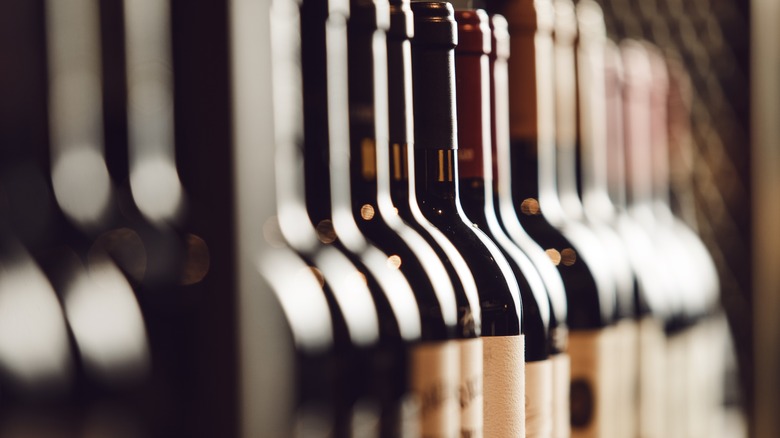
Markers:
<point>365,420</point>
<point>561,378</point>
<point>504,386</point>
<point>627,375</point>
<point>538,398</point>
<point>592,389</point>
<point>652,374</point>
<point>676,409</point>
<point>470,391</point>
<point>435,381</point>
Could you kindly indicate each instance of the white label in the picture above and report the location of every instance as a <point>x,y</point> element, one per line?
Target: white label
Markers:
<point>652,374</point>
<point>504,386</point>
<point>538,398</point>
<point>561,379</point>
<point>435,381</point>
<point>592,388</point>
<point>627,363</point>
<point>470,393</point>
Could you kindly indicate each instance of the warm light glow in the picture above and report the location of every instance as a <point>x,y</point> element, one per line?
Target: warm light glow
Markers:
<point>325,232</point>
<point>367,212</point>
<point>394,262</point>
<point>554,255</point>
<point>107,323</point>
<point>318,275</point>
<point>530,207</point>
<point>125,247</point>
<point>568,257</point>
<point>197,260</point>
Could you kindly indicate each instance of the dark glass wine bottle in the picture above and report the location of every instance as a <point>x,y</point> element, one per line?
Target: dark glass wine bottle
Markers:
<point>404,199</point>
<point>434,367</point>
<point>354,314</point>
<point>437,192</point>
<point>472,81</point>
<point>587,278</point>
<point>328,190</point>
<point>557,334</point>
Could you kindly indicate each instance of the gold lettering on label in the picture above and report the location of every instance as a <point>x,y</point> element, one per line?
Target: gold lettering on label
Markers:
<point>397,164</point>
<point>441,166</point>
<point>368,157</point>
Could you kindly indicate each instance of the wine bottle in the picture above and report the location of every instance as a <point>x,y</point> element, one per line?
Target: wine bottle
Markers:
<point>434,368</point>
<point>403,197</point>
<point>590,288</point>
<point>328,198</point>
<point>700,300</point>
<point>642,167</point>
<point>708,350</point>
<point>472,81</point>
<point>583,191</point>
<point>652,304</point>
<point>352,307</point>
<point>128,342</point>
<point>557,334</point>
<point>437,192</point>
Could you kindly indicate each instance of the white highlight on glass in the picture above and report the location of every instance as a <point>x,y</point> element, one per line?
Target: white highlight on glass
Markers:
<point>107,323</point>
<point>33,334</point>
<point>81,183</point>
<point>154,180</point>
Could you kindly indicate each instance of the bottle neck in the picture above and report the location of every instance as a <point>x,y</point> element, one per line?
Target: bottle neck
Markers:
<point>545,108</point>
<point>566,126</point>
<point>474,134</point>
<point>436,175</point>
<point>370,166</point>
<point>593,118</point>
<point>326,121</point>
<point>300,166</point>
<point>615,135</point>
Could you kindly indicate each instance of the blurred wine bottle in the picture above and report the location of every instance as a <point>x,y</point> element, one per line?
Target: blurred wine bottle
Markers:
<point>354,406</point>
<point>584,190</point>
<point>436,177</point>
<point>328,200</point>
<point>472,79</point>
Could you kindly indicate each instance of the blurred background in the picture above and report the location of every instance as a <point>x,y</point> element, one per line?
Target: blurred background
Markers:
<point>124,146</point>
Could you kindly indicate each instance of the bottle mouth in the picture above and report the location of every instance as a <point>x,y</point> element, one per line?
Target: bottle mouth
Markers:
<point>499,37</point>
<point>434,24</point>
<point>473,32</point>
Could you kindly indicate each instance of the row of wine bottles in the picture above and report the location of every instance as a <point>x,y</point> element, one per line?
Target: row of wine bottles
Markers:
<point>455,222</point>
<point>479,207</point>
